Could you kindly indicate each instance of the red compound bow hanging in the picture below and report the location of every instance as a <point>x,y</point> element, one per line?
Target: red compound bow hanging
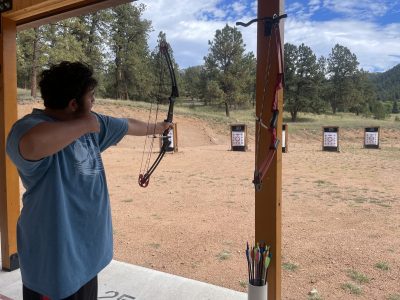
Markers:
<point>272,33</point>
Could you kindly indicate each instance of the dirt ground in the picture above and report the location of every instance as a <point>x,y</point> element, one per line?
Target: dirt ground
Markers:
<point>340,211</point>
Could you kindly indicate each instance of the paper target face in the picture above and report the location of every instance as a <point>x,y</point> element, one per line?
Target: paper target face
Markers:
<point>371,138</point>
<point>330,139</point>
<point>237,138</point>
<point>171,137</point>
<point>283,138</point>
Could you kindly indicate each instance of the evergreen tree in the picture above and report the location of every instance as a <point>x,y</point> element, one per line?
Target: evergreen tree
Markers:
<point>92,32</point>
<point>362,94</point>
<point>128,75</point>
<point>342,66</point>
<point>192,82</point>
<point>30,58</point>
<point>387,84</point>
<point>62,42</point>
<point>230,68</point>
<point>302,78</point>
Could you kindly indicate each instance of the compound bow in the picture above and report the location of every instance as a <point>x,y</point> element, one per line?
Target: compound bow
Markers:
<point>271,28</point>
<point>144,176</point>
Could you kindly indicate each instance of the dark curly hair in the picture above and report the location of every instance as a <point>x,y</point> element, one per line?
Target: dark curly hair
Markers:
<point>64,82</point>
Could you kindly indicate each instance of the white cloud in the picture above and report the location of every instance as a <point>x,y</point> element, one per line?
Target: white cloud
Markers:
<point>189,26</point>
<point>314,5</point>
<point>366,9</point>
<point>187,29</point>
<point>375,46</point>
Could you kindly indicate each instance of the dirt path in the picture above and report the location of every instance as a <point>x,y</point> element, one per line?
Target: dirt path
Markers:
<point>341,211</point>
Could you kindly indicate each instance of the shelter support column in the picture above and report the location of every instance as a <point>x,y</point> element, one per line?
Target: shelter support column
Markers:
<point>268,199</point>
<point>9,182</point>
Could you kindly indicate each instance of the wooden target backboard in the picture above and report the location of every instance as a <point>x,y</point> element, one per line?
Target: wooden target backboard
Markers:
<point>173,138</point>
<point>371,137</point>
<point>330,138</point>
<point>239,137</point>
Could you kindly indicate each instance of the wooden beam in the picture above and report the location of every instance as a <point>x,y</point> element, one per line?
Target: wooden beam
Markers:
<point>35,13</point>
<point>9,182</point>
<point>268,199</point>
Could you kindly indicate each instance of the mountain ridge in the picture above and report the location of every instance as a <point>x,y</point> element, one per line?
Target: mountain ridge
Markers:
<point>387,84</point>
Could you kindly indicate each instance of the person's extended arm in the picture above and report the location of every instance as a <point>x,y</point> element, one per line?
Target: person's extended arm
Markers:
<point>139,128</point>
<point>48,138</point>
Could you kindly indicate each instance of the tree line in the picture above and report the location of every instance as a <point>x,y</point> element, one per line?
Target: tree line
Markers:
<point>115,43</point>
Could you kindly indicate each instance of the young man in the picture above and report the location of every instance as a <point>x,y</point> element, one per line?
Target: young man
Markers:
<point>64,233</point>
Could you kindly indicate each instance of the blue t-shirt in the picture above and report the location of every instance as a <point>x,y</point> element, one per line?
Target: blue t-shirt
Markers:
<point>64,232</point>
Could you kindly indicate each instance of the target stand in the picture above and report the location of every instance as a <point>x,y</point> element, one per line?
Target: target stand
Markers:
<point>371,137</point>
<point>285,138</point>
<point>330,138</point>
<point>173,137</point>
<point>239,139</point>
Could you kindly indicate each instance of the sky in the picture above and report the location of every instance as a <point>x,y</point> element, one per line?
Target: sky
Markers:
<point>369,28</point>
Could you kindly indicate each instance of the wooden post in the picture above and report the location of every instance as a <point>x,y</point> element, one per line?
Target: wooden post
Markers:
<point>268,199</point>
<point>9,183</point>
<point>175,137</point>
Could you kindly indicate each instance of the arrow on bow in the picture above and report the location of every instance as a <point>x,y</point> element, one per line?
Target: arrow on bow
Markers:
<point>271,28</point>
<point>144,176</point>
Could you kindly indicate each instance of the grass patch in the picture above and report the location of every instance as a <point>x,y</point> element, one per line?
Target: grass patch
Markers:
<point>289,266</point>
<point>393,297</point>
<point>154,245</point>
<point>357,277</point>
<point>352,288</point>
<point>320,182</point>
<point>155,216</point>
<point>224,255</point>
<point>243,283</point>
<point>379,202</point>
<point>384,205</point>
<point>382,266</point>
<point>127,200</point>
<point>360,200</point>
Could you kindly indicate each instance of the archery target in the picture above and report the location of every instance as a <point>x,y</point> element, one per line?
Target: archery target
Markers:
<point>283,138</point>
<point>238,139</point>
<point>371,138</point>
<point>330,139</point>
<point>171,137</point>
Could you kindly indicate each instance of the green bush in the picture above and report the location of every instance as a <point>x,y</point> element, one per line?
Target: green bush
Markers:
<point>379,110</point>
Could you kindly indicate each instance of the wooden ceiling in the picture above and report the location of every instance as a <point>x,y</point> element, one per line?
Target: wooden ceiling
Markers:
<point>33,13</point>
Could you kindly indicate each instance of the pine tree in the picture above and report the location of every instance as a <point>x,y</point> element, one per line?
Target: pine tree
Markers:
<point>395,109</point>
<point>227,65</point>
<point>302,79</point>
<point>342,66</point>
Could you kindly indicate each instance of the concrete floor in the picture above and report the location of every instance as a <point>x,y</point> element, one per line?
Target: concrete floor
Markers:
<point>122,281</point>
